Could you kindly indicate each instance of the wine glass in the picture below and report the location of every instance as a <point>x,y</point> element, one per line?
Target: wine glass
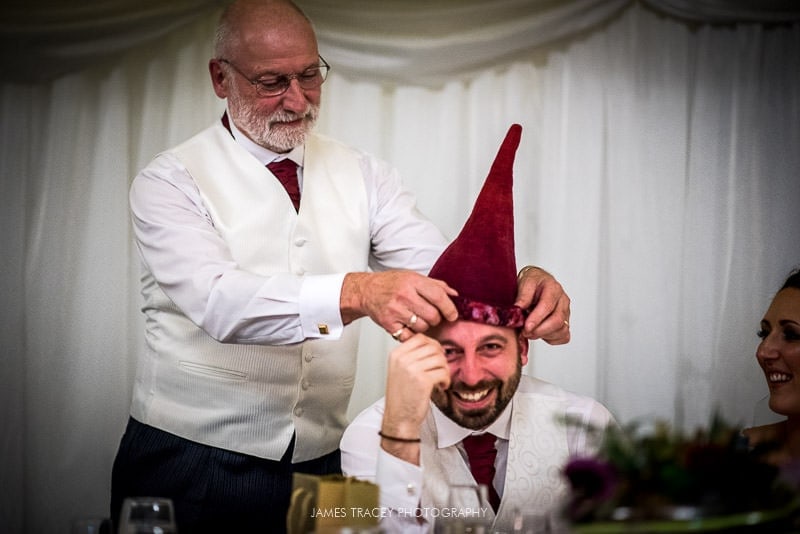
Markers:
<point>147,515</point>
<point>530,523</point>
<point>467,507</point>
<point>91,525</point>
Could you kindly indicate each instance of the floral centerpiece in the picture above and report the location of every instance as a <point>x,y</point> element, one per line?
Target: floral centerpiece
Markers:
<point>665,480</point>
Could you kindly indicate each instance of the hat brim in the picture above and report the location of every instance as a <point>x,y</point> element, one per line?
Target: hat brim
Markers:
<point>480,312</point>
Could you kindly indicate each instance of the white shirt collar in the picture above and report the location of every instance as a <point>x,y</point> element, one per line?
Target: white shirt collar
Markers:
<point>449,432</point>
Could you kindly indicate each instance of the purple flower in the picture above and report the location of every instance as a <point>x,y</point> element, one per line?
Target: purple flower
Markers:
<point>591,478</point>
<point>790,474</point>
<point>593,483</point>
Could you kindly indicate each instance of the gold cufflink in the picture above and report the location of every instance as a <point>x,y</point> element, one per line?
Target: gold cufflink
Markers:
<point>323,329</point>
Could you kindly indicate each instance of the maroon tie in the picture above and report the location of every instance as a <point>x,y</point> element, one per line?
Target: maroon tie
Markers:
<point>286,171</point>
<point>481,453</point>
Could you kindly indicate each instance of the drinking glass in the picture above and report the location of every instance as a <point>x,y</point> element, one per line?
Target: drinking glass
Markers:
<point>147,515</point>
<point>527,523</point>
<point>91,525</point>
<point>466,511</point>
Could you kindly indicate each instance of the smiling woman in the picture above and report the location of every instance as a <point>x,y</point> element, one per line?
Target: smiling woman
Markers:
<point>778,355</point>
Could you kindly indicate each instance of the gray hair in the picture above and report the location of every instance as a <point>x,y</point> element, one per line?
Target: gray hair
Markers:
<point>226,27</point>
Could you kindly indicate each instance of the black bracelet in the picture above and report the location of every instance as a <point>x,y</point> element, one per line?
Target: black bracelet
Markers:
<point>395,438</point>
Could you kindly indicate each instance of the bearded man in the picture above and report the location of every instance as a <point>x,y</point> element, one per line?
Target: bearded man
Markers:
<point>262,243</point>
<point>458,411</point>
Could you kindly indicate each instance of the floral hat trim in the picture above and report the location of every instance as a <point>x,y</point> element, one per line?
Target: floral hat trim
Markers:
<point>479,312</point>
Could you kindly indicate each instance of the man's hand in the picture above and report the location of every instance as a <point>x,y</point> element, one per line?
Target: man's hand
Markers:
<point>549,316</point>
<point>402,302</point>
<point>415,367</point>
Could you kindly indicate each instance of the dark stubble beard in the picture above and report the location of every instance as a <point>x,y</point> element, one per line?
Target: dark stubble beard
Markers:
<point>478,419</point>
<point>271,131</point>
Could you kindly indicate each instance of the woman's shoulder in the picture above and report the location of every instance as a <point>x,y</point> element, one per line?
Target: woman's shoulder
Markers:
<point>756,435</point>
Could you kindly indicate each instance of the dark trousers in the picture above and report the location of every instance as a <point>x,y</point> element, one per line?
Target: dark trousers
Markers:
<point>213,490</point>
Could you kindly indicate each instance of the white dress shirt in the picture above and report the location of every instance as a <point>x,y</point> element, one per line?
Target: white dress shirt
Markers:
<point>401,482</point>
<point>179,245</point>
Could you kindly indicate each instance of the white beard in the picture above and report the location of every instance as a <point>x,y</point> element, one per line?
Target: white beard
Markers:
<point>270,131</point>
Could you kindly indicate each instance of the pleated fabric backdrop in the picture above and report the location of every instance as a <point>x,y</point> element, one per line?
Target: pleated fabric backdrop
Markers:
<point>658,178</point>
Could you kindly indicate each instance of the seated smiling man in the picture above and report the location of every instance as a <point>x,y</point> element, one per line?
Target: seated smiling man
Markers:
<point>458,393</point>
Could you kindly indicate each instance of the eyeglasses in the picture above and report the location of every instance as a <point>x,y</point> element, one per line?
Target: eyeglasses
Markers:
<point>311,78</point>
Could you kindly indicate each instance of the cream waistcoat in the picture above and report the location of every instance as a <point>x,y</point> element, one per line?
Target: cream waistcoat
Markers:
<point>252,398</point>
<point>537,451</point>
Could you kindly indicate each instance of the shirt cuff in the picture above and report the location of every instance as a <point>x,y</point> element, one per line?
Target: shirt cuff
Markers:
<point>320,316</point>
<point>400,483</point>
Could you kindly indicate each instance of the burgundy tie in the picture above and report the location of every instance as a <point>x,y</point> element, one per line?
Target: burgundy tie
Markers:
<point>481,453</point>
<point>286,171</point>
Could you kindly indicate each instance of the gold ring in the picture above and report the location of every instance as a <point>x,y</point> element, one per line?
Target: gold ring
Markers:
<point>524,270</point>
<point>413,319</point>
<point>397,334</point>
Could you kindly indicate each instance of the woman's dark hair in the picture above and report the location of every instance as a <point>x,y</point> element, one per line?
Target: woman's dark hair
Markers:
<point>793,281</point>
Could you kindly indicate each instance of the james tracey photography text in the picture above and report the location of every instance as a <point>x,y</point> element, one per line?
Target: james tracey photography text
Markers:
<point>382,512</point>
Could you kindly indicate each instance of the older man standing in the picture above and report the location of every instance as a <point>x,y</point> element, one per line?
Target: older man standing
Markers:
<point>262,243</point>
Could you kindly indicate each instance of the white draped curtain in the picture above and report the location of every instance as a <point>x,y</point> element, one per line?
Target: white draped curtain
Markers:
<point>658,179</point>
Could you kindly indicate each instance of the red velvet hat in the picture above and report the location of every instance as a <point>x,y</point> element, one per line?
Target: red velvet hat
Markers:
<point>480,264</point>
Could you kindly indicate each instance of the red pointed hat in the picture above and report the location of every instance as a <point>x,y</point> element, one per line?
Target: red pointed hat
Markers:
<point>480,264</point>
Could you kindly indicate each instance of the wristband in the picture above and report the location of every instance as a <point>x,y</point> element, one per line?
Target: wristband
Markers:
<point>395,438</point>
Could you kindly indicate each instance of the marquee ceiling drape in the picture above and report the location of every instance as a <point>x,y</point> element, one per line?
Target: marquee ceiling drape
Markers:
<point>413,42</point>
